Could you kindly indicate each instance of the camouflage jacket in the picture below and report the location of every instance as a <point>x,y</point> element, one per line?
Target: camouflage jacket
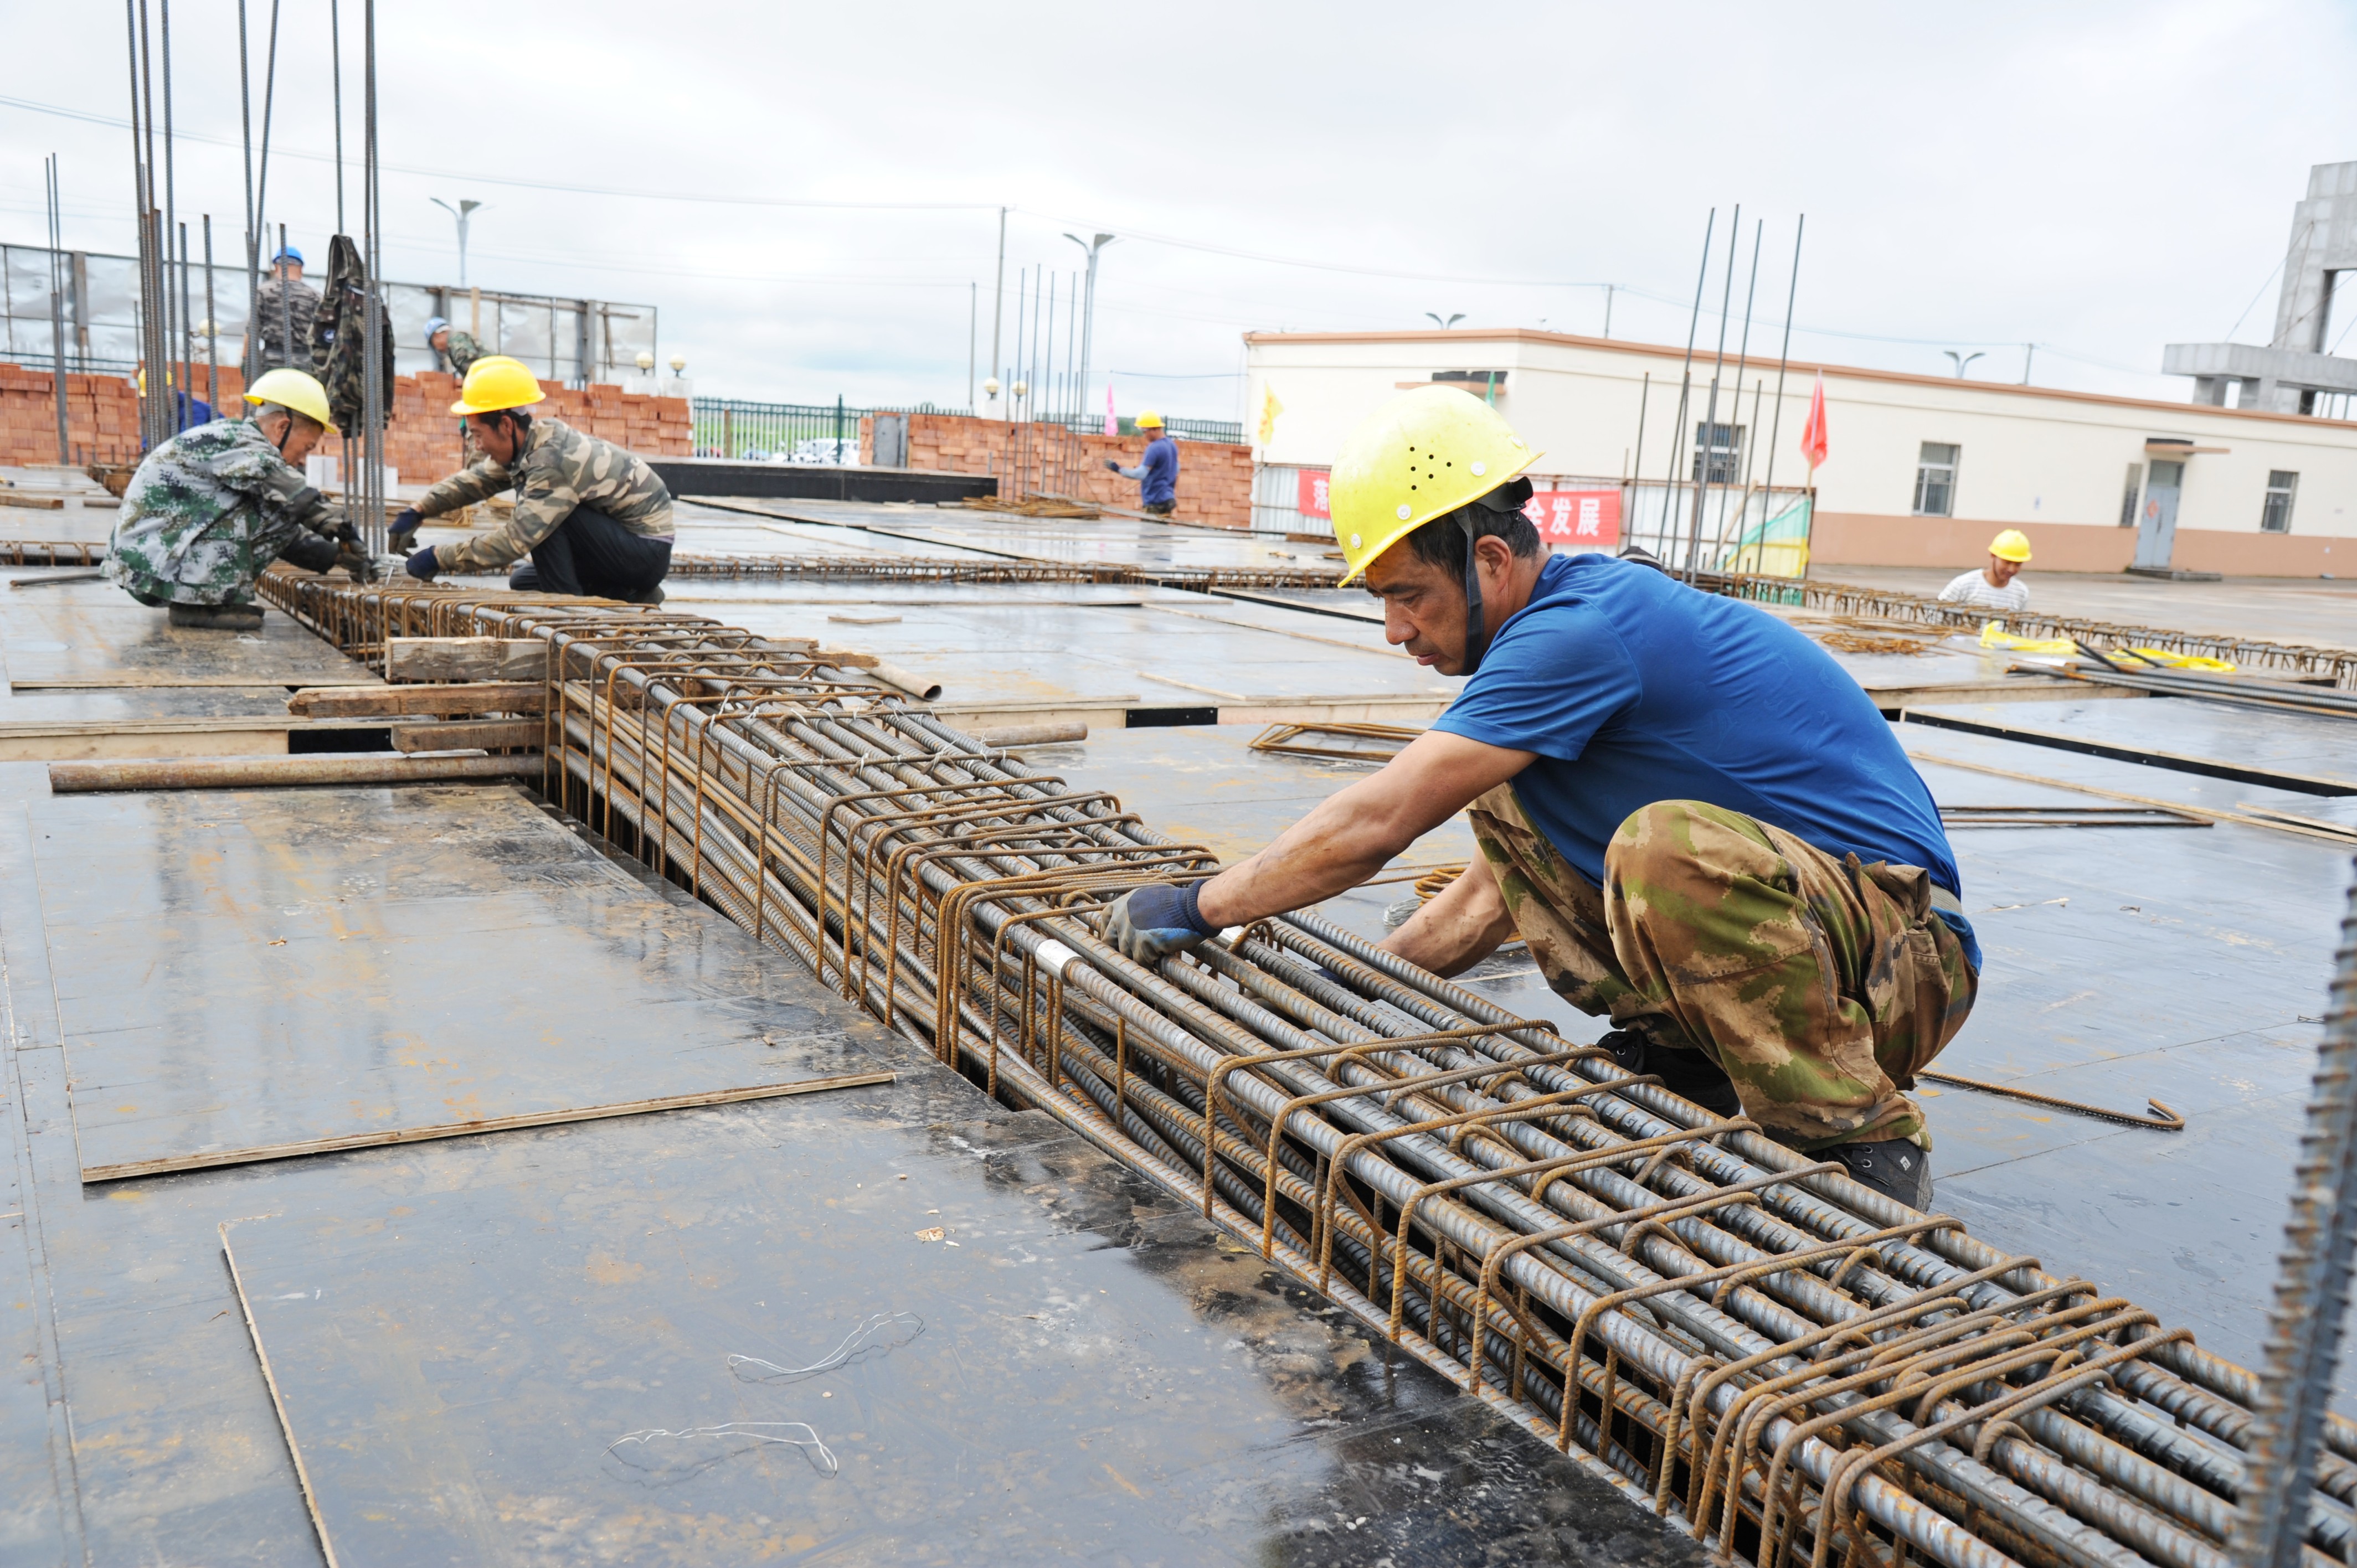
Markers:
<point>206,511</point>
<point>559,469</point>
<point>277,299</point>
<point>462,352</point>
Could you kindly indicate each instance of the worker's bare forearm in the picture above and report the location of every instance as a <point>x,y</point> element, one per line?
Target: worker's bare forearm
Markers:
<point>1459,927</point>
<point>1349,836</point>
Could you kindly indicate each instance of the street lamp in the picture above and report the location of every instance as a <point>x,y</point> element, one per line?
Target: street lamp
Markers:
<point>1961,360</point>
<point>1445,326</point>
<point>1089,303</point>
<point>464,211</point>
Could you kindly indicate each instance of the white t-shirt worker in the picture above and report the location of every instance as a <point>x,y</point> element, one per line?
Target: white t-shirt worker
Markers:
<point>1996,585</point>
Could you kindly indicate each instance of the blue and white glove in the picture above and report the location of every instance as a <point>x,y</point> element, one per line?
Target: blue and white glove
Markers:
<point>1149,924</point>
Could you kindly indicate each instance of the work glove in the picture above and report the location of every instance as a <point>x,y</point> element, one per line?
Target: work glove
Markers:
<point>1148,924</point>
<point>356,564</point>
<point>423,565</point>
<point>343,532</point>
<point>403,529</point>
<point>1113,465</point>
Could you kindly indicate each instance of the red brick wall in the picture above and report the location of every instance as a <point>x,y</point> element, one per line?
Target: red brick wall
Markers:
<point>421,437</point>
<point>1214,477</point>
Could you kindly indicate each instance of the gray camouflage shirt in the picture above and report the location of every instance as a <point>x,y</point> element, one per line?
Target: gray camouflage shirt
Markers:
<point>206,511</point>
<point>559,468</point>
<point>274,302</point>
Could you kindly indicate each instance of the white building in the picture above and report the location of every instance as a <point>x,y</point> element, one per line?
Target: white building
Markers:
<point>1922,470</point>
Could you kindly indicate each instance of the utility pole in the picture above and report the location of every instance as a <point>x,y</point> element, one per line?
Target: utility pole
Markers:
<point>972,318</point>
<point>1089,307</point>
<point>1608,310</point>
<point>56,299</point>
<point>464,211</point>
<point>2029,352</point>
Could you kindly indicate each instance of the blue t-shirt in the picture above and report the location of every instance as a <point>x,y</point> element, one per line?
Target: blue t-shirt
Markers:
<point>1633,688</point>
<point>1161,465</point>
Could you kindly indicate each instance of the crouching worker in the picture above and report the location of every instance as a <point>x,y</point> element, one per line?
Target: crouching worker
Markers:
<point>1697,821</point>
<point>594,518</point>
<point>208,510</point>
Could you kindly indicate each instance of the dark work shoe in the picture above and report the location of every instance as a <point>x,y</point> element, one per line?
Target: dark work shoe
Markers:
<point>215,618</point>
<point>654,596</point>
<point>1897,1169</point>
<point>1686,1073</point>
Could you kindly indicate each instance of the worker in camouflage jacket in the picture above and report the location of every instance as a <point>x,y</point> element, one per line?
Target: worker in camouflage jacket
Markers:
<point>208,510</point>
<point>594,518</point>
<point>453,349</point>
<point>283,309</point>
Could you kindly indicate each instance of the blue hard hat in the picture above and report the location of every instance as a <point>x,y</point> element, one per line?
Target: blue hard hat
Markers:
<point>287,253</point>
<point>433,324</point>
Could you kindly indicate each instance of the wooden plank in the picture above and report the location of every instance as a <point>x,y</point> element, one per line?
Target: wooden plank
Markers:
<point>262,772</point>
<point>490,734</point>
<point>1891,699</point>
<point>297,1150</point>
<point>384,702</point>
<point>165,680</point>
<point>465,658</point>
<point>34,503</point>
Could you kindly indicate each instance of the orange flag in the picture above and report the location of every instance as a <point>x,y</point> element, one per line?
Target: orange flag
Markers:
<point>1813,434</point>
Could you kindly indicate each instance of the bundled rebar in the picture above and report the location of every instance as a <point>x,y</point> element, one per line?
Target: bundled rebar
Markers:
<point>953,569</point>
<point>1783,1363</point>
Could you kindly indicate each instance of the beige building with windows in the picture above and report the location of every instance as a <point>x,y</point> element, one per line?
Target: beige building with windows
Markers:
<point>1922,470</point>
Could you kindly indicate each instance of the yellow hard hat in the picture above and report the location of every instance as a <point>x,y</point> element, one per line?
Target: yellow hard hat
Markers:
<point>1149,419</point>
<point>294,389</point>
<point>1421,456</point>
<point>495,381</point>
<point>2010,545</point>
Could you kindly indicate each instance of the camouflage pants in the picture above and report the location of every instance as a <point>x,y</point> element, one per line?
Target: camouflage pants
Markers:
<point>220,566</point>
<point>1819,985</point>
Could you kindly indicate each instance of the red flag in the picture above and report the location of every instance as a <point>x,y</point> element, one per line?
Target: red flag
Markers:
<point>1813,434</point>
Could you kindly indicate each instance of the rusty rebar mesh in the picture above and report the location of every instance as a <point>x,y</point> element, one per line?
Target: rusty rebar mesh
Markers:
<point>1891,605</point>
<point>50,553</point>
<point>1787,1364</point>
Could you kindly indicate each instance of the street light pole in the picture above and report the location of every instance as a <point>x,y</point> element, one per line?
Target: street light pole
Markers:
<point>464,211</point>
<point>1964,360</point>
<point>1088,304</point>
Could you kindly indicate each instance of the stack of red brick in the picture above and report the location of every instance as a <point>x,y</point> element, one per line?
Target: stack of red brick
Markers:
<point>1214,477</point>
<point>421,437</point>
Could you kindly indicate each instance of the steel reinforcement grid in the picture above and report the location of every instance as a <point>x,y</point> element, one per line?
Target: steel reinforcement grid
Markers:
<point>1784,1363</point>
<point>1841,599</point>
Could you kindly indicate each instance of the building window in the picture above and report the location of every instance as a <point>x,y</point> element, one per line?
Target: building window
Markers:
<point>2275,515</point>
<point>2131,495</point>
<point>1935,480</point>
<point>1722,446</point>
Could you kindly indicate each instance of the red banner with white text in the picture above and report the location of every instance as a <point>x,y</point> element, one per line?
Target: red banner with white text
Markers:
<point>1579,520</point>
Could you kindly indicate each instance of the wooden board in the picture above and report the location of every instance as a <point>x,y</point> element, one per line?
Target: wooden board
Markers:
<point>165,680</point>
<point>492,735</point>
<point>249,976</point>
<point>383,701</point>
<point>465,658</point>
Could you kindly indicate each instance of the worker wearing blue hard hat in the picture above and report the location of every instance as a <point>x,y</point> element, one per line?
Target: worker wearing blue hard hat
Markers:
<point>282,308</point>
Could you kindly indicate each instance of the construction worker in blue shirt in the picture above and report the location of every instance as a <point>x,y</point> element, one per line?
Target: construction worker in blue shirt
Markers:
<point>1697,822</point>
<point>1157,472</point>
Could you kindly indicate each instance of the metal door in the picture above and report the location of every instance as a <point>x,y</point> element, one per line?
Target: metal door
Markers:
<point>2157,524</point>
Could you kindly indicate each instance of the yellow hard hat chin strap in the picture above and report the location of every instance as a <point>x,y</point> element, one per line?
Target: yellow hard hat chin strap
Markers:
<point>1477,635</point>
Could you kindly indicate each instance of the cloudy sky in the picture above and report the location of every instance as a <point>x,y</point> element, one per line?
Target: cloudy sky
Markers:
<point>810,195</point>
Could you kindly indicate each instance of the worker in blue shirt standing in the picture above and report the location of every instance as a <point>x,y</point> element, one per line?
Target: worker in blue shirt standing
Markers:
<point>1696,819</point>
<point>1157,472</point>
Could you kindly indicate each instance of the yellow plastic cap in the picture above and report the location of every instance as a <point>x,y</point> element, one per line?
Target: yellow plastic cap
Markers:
<point>294,389</point>
<point>495,381</point>
<point>1421,456</point>
<point>2010,545</point>
<point>1149,419</point>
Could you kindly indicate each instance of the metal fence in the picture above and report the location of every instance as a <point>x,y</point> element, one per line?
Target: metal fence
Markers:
<point>829,431</point>
<point>562,340</point>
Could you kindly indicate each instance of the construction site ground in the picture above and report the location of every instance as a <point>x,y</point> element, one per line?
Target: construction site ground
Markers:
<point>1060,1360</point>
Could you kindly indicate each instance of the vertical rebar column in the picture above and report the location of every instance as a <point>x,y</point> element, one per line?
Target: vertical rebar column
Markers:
<point>182,347</point>
<point>246,351</point>
<point>57,298</point>
<point>2303,1344</point>
<point>212,326</point>
<point>373,365</point>
<point>175,320</point>
<point>1784,358</point>
<point>1710,414</point>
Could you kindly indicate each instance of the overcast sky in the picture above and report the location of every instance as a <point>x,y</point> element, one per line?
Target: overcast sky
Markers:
<point>2097,179</point>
